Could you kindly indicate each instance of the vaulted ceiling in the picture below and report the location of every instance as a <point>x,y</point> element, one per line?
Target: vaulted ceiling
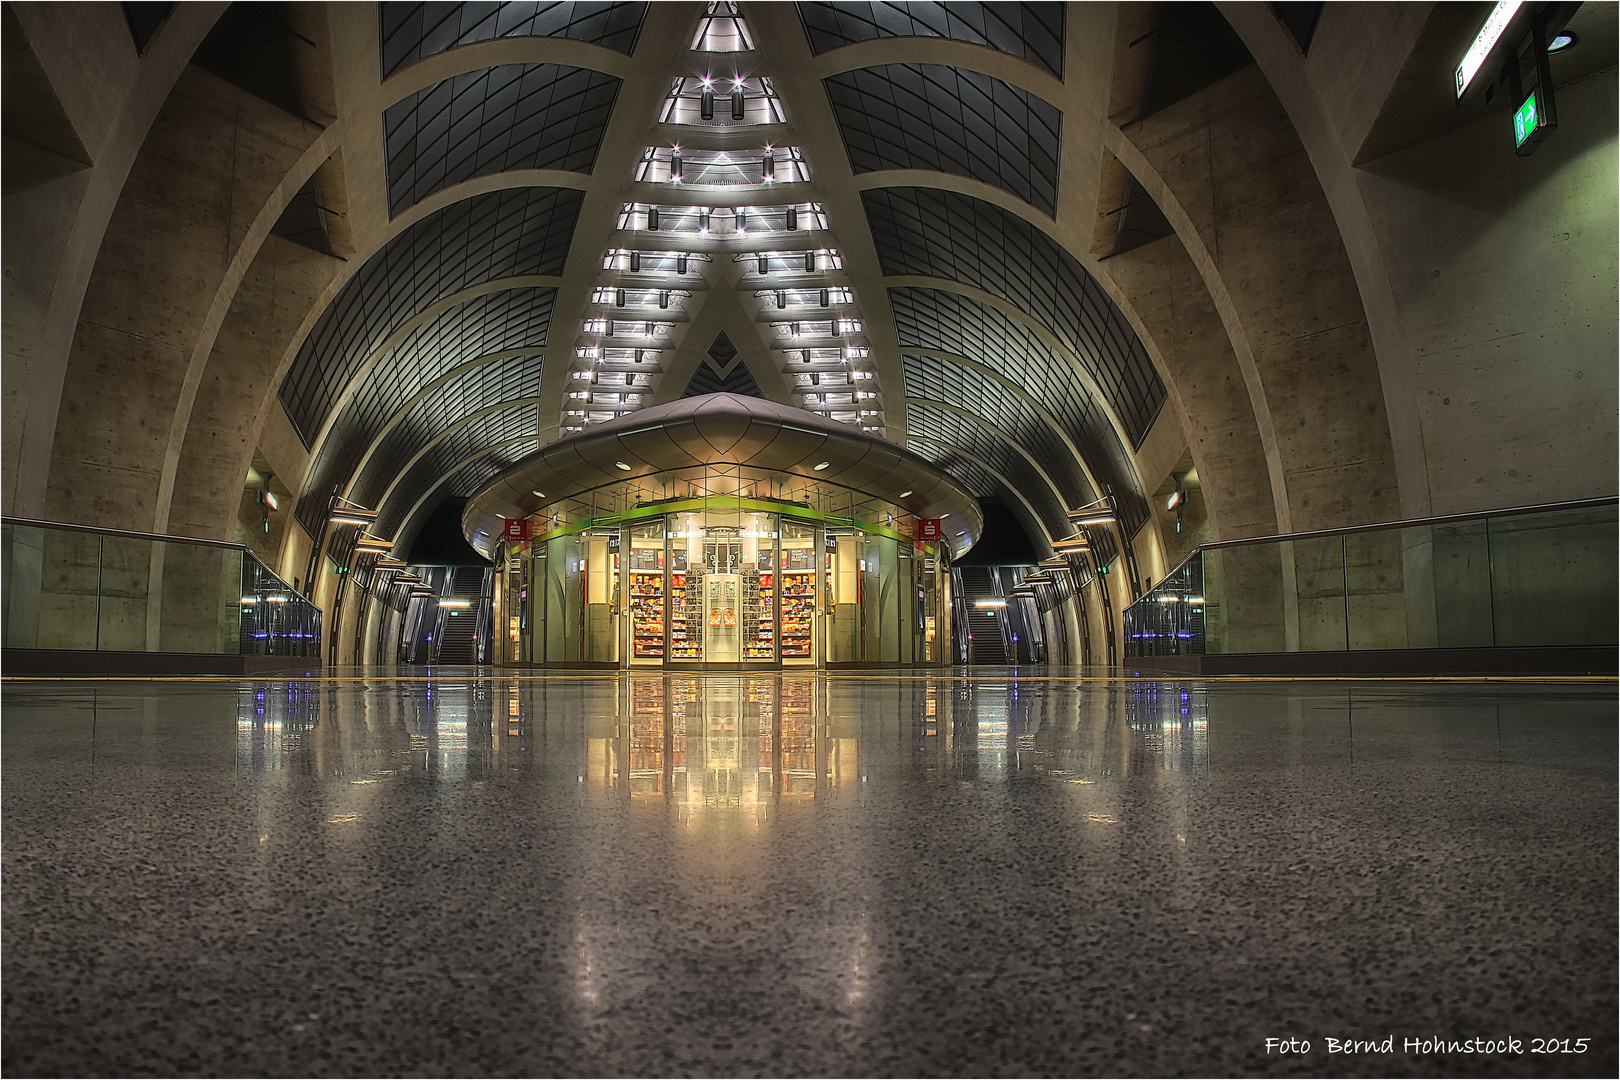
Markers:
<point>835,204</point>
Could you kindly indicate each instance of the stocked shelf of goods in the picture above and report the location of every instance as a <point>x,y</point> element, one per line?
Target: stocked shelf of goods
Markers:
<point>798,612</point>
<point>647,613</point>
<point>681,644</point>
<point>762,618</point>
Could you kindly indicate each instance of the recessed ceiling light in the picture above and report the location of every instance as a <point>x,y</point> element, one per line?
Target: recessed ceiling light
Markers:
<point>621,465</point>
<point>904,494</point>
<point>1563,41</point>
<point>823,465</point>
<point>540,493</point>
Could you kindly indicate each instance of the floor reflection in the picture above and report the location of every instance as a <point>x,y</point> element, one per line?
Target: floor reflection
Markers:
<point>711,742</point>
<point>786,874</point>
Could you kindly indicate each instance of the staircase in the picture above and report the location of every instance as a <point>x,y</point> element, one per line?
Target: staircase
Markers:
<point>987,639</point>
<point>985,643</point>
<point>458,627</point>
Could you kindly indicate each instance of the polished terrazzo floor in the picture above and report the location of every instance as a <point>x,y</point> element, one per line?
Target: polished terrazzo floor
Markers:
<point>858,875</point>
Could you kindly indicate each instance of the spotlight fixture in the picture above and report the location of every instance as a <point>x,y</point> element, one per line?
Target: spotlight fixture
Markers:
<point>680,264</point>
<point>767,164</point>
<point>706,102</point>
<point>737,111</point>
<point>703,221</point>
<point>792,218</point>
<point>809,262</point>
<point>676,165</point>
<point>764,264</point>
<point>344,512</point>
<point>619,298</point>
<point>635,262</point>
<point>652,219</point>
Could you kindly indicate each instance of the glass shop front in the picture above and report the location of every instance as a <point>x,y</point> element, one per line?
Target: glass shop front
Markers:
<point>725,582</point>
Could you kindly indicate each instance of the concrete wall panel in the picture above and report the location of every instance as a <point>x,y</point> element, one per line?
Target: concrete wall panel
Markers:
<point>214,155</point>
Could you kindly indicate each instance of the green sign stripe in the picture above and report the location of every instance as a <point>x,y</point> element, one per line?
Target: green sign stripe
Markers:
<point>723,502</point>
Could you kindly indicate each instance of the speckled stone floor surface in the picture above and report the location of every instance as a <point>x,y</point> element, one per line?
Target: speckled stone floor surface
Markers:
<point>854,875</point>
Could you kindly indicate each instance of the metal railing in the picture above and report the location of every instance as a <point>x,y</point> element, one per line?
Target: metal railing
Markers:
<point>1525,576</point>
<point>82,588</point>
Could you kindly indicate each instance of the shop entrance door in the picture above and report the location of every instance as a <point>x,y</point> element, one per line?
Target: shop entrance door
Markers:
<point>722,618</point>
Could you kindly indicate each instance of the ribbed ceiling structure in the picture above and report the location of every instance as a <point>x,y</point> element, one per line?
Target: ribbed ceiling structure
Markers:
<point>572,233</point>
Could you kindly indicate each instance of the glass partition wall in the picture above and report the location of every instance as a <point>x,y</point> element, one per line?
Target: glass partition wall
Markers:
<point>730,585</point>
<point>1518,578</point>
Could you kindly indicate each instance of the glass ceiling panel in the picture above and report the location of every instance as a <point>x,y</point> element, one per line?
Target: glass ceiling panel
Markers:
<point>409,32</point>
<point>1033,32</point>
<point>495,235</point>
<point>933,233</point>
<point>516,116</point>
<point>926,116</point>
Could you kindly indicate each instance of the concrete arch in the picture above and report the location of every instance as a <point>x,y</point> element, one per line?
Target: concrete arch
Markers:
<point>50,343</point>
<point>877,52</point>
<point>477,55</point>
<point>1004,436</point>
<point>375,358</point>
<point>1036,327</point>
<point>1284,68</point>
<point>1029,399</point>
<point>488,410</point>
<point>1033,526</point>
<point>427,391</point>
<point>411,523</point>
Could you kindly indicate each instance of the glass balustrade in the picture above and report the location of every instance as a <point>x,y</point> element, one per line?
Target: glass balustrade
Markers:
<point>75,588</point>
<point>1542,577</point>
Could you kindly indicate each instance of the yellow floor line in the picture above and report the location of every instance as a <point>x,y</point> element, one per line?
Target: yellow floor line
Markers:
<point>950,676</point>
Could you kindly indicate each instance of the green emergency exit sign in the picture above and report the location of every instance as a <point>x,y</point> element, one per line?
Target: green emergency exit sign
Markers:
<point>1526,119</point>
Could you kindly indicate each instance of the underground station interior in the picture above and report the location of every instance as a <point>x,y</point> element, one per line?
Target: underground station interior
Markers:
<point>809,539</point>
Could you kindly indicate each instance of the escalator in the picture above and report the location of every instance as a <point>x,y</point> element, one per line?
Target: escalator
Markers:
<point>458,636</point>
<point>986,626</point>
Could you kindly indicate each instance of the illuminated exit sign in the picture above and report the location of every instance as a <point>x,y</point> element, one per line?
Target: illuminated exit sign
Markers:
<point>1525,121</point>
<point>1533,123</point>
